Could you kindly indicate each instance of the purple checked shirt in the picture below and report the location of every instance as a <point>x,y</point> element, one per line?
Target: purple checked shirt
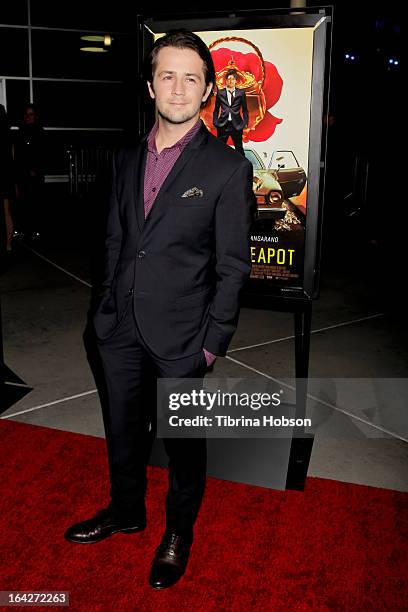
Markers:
<point>158,167</point>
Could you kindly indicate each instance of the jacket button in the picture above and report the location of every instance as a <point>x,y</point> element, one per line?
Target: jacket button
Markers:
<point>130,291</point>
<point>141,254</point>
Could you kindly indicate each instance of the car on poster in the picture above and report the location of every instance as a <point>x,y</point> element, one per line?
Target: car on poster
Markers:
<point>282,179</point>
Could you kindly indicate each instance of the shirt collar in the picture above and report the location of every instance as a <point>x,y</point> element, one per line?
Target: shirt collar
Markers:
<point>180,144</point>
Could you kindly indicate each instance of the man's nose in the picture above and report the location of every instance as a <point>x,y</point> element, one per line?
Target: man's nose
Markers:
<point>179,87</point>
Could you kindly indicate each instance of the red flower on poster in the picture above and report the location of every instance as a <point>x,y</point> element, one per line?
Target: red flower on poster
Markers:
<point>261,82</point>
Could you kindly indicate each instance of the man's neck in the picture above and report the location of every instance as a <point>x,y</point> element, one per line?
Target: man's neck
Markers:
<point>169,133</point>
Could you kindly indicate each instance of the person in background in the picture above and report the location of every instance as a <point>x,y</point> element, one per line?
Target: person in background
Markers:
<point>6,182</point>
<point>29,154</point>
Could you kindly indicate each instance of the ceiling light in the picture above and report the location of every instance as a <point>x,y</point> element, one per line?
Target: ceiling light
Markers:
<point>93,38</point>
<point>93,49</point>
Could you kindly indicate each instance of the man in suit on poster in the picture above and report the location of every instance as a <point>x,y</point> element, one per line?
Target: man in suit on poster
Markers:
<point>232,102</point>
<point>176,258</point>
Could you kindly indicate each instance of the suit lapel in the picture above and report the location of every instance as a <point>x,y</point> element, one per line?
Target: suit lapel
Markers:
<point>138,182</point>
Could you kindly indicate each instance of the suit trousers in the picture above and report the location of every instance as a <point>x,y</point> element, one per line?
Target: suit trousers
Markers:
<point>130,373</point>
<point>227,130</point>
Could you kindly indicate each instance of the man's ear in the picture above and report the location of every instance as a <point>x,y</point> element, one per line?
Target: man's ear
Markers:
<point>207,91</point>
<point>151,90</point>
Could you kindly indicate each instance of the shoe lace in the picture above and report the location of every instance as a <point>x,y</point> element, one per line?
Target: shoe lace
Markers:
<point>172,541</point>
<point>169,543</point>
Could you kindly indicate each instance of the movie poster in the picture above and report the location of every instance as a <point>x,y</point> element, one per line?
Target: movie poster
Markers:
<point>268,120</point>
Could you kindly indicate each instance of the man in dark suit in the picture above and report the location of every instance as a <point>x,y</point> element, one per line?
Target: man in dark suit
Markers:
<point>177,256</point>
<point>232,102</point>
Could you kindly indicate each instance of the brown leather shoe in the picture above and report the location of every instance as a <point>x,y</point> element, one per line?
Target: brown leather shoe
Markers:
<point>170,560</point>
<point>101,526</point>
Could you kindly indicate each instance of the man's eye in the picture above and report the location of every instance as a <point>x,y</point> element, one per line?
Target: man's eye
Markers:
<point>167,77</point>
<point>191,80</point>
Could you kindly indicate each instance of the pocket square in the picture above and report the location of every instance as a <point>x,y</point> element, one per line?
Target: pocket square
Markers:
<point>194,192</point>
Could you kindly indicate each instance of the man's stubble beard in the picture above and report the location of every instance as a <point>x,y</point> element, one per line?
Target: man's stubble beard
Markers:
<point>184,118</point>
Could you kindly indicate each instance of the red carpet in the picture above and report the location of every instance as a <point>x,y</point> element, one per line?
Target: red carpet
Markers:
<point>334,547</point>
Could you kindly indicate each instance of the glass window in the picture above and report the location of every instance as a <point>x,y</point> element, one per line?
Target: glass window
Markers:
<point>14,12</point>
<point>58,55</point>
<point>283,159</point>
<point>254,159</point>
<point>80,104</point>
<point>13,52</point>
<point>17,95</point>
<point>91,15</point>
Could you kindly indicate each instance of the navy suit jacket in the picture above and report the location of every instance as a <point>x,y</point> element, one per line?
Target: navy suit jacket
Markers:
<point>184,266</point>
